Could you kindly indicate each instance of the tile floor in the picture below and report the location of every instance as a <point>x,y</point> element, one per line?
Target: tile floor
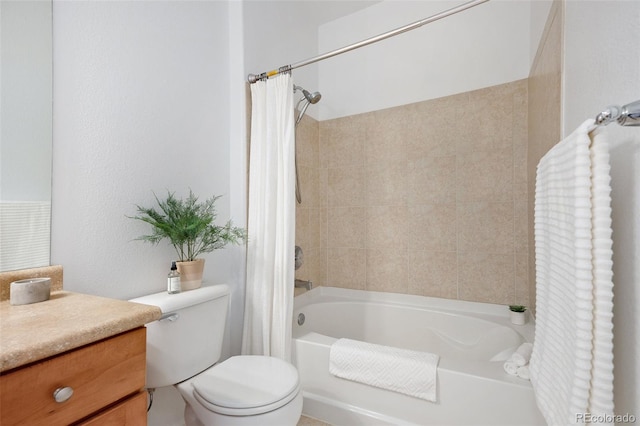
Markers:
<point>308,421</point>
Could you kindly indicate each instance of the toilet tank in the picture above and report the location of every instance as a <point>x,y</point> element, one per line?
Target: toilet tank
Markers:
<point>188,337</point>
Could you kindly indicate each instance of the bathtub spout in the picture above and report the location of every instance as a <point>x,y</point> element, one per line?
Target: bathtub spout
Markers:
<point>303,284</point>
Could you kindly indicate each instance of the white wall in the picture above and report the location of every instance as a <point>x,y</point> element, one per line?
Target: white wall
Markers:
<point>539,13</point>
<point>238,161</point>
<point>142,103</point>
<point>480,47</point>
<point>602,67</point>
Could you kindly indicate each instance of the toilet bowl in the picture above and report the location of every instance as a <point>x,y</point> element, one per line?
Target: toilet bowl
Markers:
<point>245,390</point>
<point>183,349</point>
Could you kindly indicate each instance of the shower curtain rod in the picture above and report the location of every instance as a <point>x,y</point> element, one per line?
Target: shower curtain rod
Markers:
<point>252,78</point>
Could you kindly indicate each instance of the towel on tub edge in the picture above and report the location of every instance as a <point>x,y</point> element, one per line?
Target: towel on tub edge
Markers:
<point>405,371</point>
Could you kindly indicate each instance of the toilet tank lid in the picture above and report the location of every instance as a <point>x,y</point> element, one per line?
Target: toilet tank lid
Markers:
<point>173,302</point>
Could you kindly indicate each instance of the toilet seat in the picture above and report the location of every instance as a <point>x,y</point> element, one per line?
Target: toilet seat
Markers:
<point>247,385</point>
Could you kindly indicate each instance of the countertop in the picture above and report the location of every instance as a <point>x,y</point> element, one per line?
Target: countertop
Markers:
<point>67,321</point>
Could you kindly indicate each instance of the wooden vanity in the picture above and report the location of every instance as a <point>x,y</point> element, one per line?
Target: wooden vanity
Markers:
<point>74,359</point>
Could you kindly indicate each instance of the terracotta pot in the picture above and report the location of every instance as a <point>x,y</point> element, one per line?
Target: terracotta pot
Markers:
<point>190,274</point>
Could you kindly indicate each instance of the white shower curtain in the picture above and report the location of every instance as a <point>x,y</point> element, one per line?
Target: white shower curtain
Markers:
<point>271,224</point>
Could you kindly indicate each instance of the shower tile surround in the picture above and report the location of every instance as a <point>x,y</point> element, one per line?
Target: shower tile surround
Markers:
<point>311,214</point>
<point>415,199</point>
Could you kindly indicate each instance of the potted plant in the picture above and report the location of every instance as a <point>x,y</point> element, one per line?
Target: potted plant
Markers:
<point>517,314</point>
<point>189,226</point>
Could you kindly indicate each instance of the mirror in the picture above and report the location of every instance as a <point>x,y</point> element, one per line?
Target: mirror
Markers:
<point>26,65</point>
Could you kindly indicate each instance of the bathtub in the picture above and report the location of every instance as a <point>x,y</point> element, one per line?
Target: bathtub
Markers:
<point>472,339</point>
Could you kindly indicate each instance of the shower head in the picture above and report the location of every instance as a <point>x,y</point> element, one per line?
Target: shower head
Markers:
<point>313,98</point>
<point>308,99</point>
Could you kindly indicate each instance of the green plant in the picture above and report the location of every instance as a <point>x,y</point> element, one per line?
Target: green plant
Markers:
<point>188,225</point>
<point>517,308</point>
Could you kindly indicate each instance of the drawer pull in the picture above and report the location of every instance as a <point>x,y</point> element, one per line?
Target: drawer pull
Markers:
<point>62,394</point>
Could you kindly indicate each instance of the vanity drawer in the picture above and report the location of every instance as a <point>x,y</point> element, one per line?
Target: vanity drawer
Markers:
<point>132,411</point>
<point>99,374</point>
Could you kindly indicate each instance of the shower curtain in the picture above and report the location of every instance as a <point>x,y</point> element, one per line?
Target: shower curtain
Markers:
<point>271,223</point>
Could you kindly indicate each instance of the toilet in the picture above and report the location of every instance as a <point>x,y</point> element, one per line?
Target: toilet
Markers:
<point>183,349</point>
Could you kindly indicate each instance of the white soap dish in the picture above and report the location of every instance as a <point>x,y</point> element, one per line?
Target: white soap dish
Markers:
<point>31,290</point>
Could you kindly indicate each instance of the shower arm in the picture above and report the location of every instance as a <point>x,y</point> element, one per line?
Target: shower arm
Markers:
<point>252,78</point>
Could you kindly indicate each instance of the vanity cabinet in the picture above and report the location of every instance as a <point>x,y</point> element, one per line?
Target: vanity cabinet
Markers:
<point>106,378</point>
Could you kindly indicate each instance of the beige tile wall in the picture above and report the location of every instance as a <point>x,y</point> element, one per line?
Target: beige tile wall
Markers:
<point>311,213</point>
<point>428,198</point>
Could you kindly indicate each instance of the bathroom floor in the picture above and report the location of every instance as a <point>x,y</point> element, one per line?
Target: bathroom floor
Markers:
<point>308,421</point>
<point>168,410</point>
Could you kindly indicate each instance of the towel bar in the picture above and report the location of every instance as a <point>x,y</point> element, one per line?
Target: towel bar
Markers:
<point>626,115</point>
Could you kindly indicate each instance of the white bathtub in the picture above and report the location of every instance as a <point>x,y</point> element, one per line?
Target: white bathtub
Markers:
<point>472,339</point>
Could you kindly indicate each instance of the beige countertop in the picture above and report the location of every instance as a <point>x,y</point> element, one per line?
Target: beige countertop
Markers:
<point>67,321</point>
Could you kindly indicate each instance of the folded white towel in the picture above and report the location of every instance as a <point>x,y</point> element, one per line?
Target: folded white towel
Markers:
<point>522,355</point>
<point>523,372</point>
<point>510,367</point>
<point>400,370</point>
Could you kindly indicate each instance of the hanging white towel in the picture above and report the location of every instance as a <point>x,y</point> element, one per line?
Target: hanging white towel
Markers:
<point>571,365</point>
<point>400,370</point>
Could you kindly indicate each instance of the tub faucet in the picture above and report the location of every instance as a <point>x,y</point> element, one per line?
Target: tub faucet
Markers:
<point>303,284</point>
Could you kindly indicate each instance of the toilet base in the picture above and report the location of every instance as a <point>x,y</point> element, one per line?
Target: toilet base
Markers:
<point>190,418</point>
